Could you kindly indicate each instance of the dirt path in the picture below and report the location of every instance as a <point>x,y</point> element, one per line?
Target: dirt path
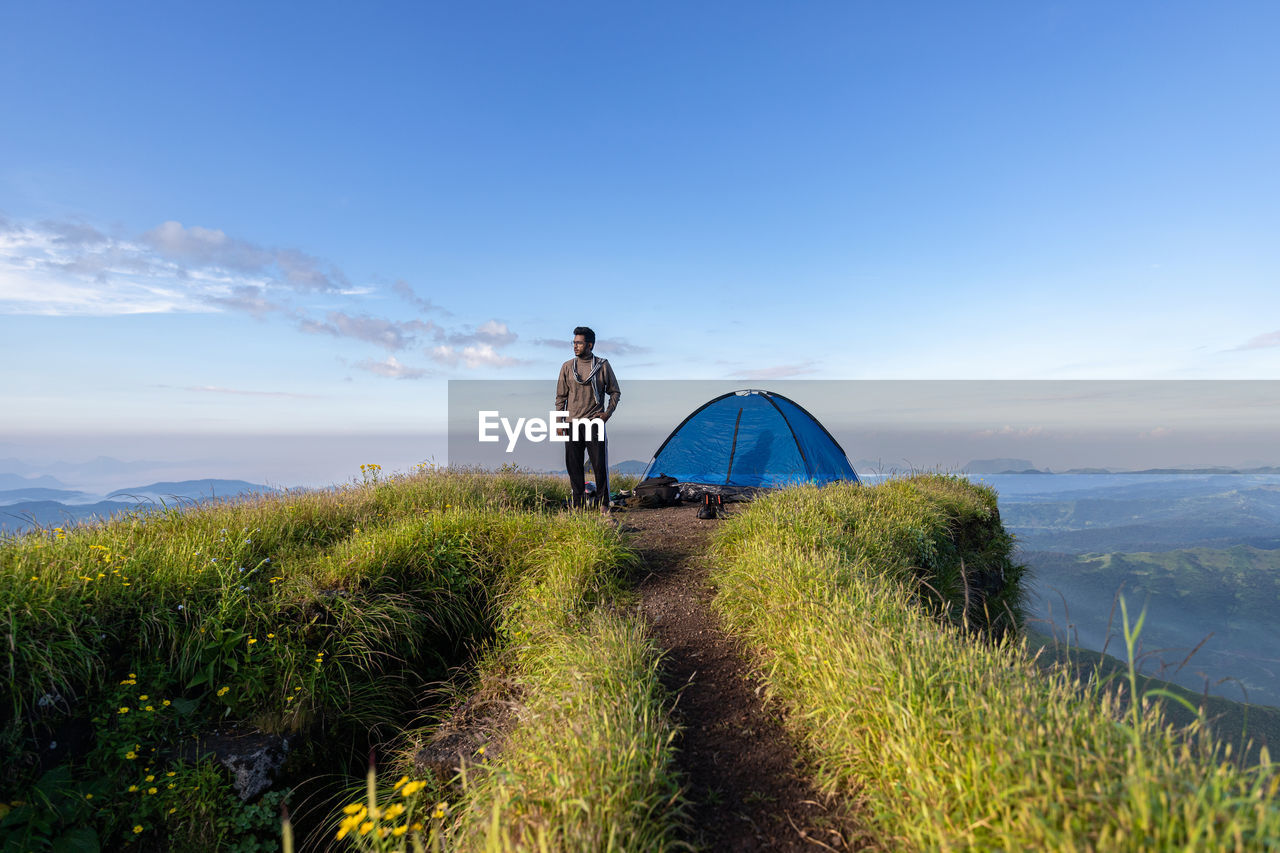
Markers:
<point>740,767</point>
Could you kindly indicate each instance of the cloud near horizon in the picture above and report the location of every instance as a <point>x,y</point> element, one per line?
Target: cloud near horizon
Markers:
<point>1270,339</point>
<point>214,389</point>
<point>1008,431</point>
<point>780,371</point>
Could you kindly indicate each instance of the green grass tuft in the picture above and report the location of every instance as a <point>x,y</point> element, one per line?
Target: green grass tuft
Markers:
<point>857,603</point>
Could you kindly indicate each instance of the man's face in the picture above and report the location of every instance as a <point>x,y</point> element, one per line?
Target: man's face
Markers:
<point>581,348</point>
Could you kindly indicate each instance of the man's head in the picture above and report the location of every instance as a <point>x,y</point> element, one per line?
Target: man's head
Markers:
<point>584,340</point>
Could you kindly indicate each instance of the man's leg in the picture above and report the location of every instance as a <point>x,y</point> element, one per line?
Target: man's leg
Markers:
<point>599,453</point>
<point>577,475</point>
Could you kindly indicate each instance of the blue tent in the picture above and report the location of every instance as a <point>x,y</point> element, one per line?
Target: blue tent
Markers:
<point>751,438</point>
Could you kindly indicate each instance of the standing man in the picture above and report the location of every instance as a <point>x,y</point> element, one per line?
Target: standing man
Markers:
<point>585,381</point>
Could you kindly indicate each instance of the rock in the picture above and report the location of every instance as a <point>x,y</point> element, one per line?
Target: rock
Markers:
<point>254,771</point>
<point>252,758</point>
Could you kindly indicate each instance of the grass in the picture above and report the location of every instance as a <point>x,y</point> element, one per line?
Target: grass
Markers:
<point>888,618</point>
<point>330,615</point>
<point>587,764</point>
<point>863,603</point>
<point>320,613</point>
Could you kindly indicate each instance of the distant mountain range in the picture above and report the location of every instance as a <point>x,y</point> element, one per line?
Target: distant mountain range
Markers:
<point>192,490</point>
<point>15,481</point>
<point>24,508</point>
<point>9,496</point>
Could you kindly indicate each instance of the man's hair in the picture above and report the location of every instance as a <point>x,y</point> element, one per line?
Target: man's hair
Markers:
<point>586,333</point>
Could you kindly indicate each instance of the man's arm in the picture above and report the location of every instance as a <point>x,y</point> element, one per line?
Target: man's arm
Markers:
<point>611,388</point>
<point>562,391</point>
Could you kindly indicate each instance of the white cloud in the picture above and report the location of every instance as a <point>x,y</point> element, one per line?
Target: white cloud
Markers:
<point>493,333</point>
<point>45,271</point>
<point>392,368</point>
<point>1158,432</point>
<point>74,269</point>
<point>472,356</point>
<point>249,299</point>
<point>389,334</point>
<point>210,247</point>
<point>402,289</point>
<point>61,268</point>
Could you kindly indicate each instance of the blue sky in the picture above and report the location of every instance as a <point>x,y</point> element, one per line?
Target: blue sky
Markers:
<point>305,218</point>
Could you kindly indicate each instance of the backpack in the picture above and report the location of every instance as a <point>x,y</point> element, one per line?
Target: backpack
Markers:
<point>657,491</point>
<point>712,507</point>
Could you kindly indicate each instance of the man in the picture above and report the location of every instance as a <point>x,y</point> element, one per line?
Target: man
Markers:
<point>585,382</point>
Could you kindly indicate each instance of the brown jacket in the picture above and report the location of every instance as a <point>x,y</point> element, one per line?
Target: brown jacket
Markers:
<point>586,399</point>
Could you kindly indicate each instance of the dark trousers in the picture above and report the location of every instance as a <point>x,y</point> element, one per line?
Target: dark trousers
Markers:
<point>598,452</point>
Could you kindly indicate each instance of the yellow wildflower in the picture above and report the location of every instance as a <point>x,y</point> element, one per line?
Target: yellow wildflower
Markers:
<point>143,697</point>
<point>151,791</point>
<point>350,823</point>
<point>223,691</point>
<point>165,703</point>
<point>123,710</point>
<point>253,640</point>
<point>412,788</point>
<point>137,828</point>
<point>150,778</point>
<point>399,830</point>
<point>355,809</point>
<point>133,789</point>
<point>394,811</point>
<point>150,708</point>
<point>131,755</point>
<point>403,779</point>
